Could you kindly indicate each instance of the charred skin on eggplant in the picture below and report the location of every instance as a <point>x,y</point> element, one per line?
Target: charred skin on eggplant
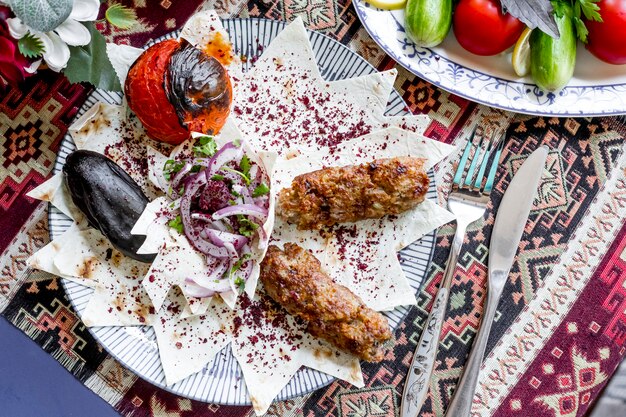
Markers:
<point>110,199</point>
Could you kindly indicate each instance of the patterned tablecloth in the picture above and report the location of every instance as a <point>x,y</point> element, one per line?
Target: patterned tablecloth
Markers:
<point>560,331</point>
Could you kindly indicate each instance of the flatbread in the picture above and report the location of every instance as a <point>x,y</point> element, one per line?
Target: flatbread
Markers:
<point>187,344</point>
<point>363,255</point>
<point>271,346</point>
<point>55,192</point>
<point>311,114</point>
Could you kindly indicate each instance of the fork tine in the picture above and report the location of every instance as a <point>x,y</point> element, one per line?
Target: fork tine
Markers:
<point>480,177</point>
<point>470,172</point>
<point>460,169</point>
<point>494,166</point>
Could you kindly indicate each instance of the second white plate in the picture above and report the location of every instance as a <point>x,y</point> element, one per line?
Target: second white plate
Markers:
<point>597,89</point>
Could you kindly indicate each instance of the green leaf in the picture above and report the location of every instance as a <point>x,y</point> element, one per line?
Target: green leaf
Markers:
<point>90,63</point>
<point>240,283</point>
<point>241,174</point>
<point>590,9</point>
<point>581,29</point>
<point>246,227</point>
<point>176,224</point>
<point>42,15</point>
<point>171,167</point>
<point>239,263</point>
<point>260,190</point>
<point>30,46</point>
<point>244,165</point>
<point>121,16</point>
<point>206,146</point>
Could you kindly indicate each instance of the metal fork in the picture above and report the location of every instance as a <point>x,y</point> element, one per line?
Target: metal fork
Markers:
<point>468,202</point>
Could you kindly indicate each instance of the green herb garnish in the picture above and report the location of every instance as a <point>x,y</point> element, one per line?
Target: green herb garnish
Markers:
<point>176,224</point>
<point>240,283</point>
<point>237,265</point>
<point>261,189</point>
<point>246,226</point>
<point>590,10</point>
<point>206,146</point>
<point>240,173</point>
<point>171,167</point>
<point>245,165</point>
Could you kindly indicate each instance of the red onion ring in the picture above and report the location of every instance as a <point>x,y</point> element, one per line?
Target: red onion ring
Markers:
<point>226,154</point>
<point>243,209</point>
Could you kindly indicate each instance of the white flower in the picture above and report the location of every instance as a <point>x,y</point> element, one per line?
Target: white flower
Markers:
<point>71,32</point>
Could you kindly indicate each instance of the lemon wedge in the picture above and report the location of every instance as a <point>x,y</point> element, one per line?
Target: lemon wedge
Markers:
<point>387,4</point>
<point>521,54</point>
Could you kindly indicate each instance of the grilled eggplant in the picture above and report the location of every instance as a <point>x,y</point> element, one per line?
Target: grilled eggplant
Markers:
<point>110,199</point>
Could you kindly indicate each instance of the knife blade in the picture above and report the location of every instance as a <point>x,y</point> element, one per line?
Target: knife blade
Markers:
<point>514,210</point>
<point>506,235</point>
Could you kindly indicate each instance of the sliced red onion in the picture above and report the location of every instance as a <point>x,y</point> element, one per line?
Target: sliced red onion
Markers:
<point>262,238</point>
<point>202,216</point>
<point>262,201</point>
<point>216,275</point>
<point>243,209</point>
<point>223,239</point>
<point>226,154</point>
<point>194,290</point>
<point>192,186</point>
<point>206,289</point>
<point>175,183</point>
<point>219,225</point>
<point>210,249</point>
<point>244,191</point>
<point>215,224</point>
<point>231,250</point>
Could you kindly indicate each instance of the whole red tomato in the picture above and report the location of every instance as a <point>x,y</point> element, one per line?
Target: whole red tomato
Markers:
<point>146,95</point>
<point>607,39</point>
<point>482,28</point>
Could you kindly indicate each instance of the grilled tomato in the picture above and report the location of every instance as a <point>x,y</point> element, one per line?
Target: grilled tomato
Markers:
<point>175,88</point>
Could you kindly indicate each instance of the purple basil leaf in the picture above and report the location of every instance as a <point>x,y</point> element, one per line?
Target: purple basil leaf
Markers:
<point>534,13</point>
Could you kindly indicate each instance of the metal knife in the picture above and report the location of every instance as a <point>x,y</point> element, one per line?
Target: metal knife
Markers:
<point>505,238</point>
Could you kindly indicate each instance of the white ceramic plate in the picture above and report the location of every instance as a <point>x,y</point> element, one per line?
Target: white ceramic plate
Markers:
<point>222,381</point>
<point>596,89</point>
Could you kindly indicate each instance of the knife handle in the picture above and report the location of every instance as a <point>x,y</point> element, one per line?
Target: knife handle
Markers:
<point>461,405</point>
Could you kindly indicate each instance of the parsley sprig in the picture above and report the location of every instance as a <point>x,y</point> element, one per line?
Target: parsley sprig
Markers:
<point>177,224</point>
<point>261,189</point>
<point>587,9</point>
<point>206,146</point>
